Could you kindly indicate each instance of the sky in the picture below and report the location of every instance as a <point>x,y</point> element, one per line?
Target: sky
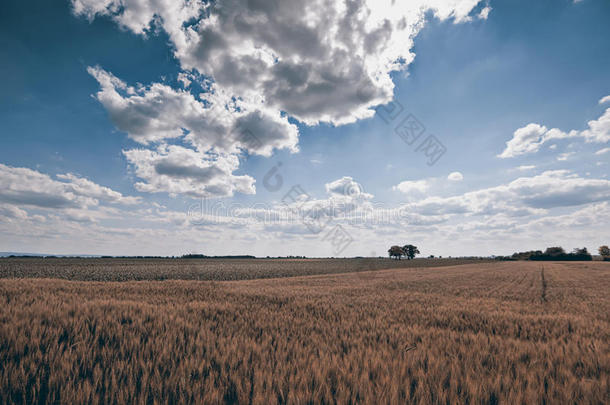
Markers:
<point>321,128</point>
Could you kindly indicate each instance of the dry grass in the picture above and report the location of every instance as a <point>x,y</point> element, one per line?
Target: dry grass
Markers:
<point>200,269</point>
<point>478,334</point>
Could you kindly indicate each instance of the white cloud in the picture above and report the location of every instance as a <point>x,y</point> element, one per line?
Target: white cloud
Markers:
<point>178,170</point>
<point>85,187</point>
<point>523,196</point>
<point>492,216</point>
<point>260,63</point>
<point>525,140</point>
<point>412,186</point>
<point>485,13</point>
<point>8,212</point>
<point>158,112</point>
<point>29,198</point>
<point>218,129</point>
<point>530,138</point>
<point>602,151</point>
<point>138,15</point>
<point>604,100</point>
<point>185,78</point>
<point>565,156</point>
<point>526,167</point>
<point>346,187</point>
<point>599,129</point>
<point>318,60</point>
<point>455,176</point>
<point>23,186</point>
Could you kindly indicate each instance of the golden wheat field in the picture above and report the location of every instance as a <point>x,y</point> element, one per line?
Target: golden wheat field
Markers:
<point>484,333</point>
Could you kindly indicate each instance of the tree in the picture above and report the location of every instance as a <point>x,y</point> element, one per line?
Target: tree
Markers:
<point>529,255</point>
<point>555,251</point>
<point>410,251</point>
<point>396,251</point>
<point>580,254</point>
<point>582,251</point>
<point>604,251</point>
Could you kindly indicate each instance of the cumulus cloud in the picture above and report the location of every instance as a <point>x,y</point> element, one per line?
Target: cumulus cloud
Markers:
<point>599,129</point>
<point>412,186</point>
<point>8,211</point>
<point>157,230</point>
<point>502,207</point>
<point>346,187</point>
<point>589,216</point>
<point>178,170</point>
<point>216,128</point>
<point>604,100</point>
<point>525,140</point>
<point>455,176</point>
<point>30,198</point>
<point>530,138</point>
<point>318,61</point>
<point>159,112</point>
<point>523,196</point>
<point>139,15</point>
<point>259,63</point>
<point>84,187</point>
<point>23,186</point>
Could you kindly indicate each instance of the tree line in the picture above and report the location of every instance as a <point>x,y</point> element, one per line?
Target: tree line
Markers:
<point>551,253</point>
<point>558,253</point>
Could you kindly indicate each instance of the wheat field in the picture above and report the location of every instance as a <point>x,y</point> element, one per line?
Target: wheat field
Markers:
<point>487,333</point>
<point>130,269</point>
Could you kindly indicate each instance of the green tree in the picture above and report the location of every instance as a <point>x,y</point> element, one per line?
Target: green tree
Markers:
<point>410,251</point>
<point>582,251</point>
<point>396,251</point>
<point>604,251</point>
<point>555,251</point>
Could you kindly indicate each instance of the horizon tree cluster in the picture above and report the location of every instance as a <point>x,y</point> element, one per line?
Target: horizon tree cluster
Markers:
<point>398,252</point>
<point>556,253</point>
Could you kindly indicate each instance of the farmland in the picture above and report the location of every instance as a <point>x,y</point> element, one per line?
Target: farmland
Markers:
<point>96,269</point>
<point>505,332</point>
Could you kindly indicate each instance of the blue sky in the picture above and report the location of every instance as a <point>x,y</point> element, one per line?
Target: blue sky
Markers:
<point>123,127</point>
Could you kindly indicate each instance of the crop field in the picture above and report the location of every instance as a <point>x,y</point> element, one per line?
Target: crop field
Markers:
<point>96,269</point>
<point>478,333</point>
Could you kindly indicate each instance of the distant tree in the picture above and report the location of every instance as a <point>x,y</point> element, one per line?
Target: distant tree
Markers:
<point>555,251</point>
<point>410,251</point>
<point>580,254</point>
<point>582,251</point>
<point>604,251</point>
<point>396,252</point>
<point>529,255</point>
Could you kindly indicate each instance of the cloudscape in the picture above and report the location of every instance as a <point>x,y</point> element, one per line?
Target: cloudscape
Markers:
<point>133,127</point>
<point>305,202</point>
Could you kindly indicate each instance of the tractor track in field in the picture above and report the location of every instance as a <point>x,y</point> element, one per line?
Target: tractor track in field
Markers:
<point>544,284</point>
